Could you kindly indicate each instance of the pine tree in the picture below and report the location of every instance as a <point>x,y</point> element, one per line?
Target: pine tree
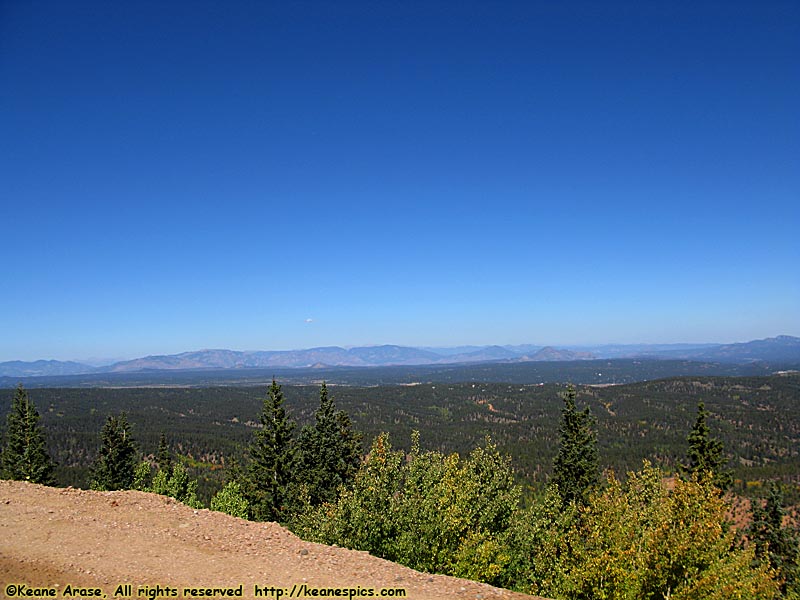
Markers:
<point>329,452</point>
<point>25,457</point>
<point>115,466</point>
<point>776,543</point>
<point>576,468</point>
<point>163,458</point>
<point>705,454</point>
<point>269,474</point>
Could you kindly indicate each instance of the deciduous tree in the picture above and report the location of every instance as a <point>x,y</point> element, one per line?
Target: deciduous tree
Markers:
<point>432,512</point>
<point>176,483</point>
<point>230,500</point>
<point>638,539</point>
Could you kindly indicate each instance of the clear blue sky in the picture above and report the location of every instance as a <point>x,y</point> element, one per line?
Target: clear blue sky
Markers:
<point>274,175</point>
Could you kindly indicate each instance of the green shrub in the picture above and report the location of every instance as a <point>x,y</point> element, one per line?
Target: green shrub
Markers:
<point>432,512</point>
<point>230,500</point>
<point>641,540</point>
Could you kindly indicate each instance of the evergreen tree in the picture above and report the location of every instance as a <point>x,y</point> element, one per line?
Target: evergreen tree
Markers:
<point>705,455</point>
<point>576,468</point>
<point>25,457</point>
<point>115,466</point>
<point>776,543</point>
<point>163,457</point>
<point>269,474</point>
<point>329,452</point>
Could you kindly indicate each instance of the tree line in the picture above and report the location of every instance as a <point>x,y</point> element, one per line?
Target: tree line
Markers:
<point>757,419</point>
<point>589,536</point>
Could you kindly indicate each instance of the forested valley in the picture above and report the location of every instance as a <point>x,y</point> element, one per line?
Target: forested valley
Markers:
<point>757,419</point>
<point>627,491</point>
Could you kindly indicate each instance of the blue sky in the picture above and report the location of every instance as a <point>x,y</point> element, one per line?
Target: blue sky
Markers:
<point>274,175</point>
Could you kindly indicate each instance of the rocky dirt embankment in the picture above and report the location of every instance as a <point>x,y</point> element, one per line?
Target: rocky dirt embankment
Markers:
<point>52,538</point>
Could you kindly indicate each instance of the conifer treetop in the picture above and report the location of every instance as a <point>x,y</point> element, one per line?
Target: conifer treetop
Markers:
<point>25,456</point>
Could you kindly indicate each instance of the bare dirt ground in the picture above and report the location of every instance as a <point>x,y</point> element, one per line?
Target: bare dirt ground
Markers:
<point>53,538</point>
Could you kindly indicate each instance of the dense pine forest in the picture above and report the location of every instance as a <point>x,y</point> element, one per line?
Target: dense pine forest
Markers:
<point>757,419</point>
<point>549,489</point>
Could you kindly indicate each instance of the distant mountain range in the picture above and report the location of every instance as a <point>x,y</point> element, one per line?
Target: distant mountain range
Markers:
<point>783,349</point>
<point>38,368</point>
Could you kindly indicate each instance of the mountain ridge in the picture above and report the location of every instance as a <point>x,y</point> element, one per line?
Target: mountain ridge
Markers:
<point>782,348</point>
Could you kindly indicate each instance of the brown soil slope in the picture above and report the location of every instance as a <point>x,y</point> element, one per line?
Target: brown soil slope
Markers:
<point>53,537</point>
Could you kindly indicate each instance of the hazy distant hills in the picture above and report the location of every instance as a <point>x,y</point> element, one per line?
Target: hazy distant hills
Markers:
<point>778,350</point>
<point>485,354</point>
<point>770,350</point>
<point>329,356</point>
<point>549,353</point>
<point>37,368</point>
